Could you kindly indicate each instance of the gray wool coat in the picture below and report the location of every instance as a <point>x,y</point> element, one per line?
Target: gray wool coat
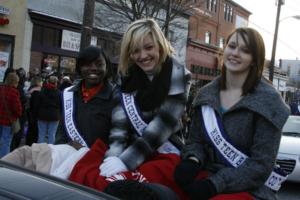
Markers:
<point>164,123</point>
<point>254,125</point>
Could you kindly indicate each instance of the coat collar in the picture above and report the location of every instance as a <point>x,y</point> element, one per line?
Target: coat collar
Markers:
<point>265,101</point>
<point>178,78</point>
<point>104,94</point>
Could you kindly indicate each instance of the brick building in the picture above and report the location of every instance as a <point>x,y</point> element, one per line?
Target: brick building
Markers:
<point>44,36</point>
<point>209,27</point>
<point>14,48</point>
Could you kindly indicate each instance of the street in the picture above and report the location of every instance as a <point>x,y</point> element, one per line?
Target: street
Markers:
<point>289,191</point>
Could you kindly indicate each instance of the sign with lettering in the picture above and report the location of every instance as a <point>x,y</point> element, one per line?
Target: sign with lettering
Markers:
<point>70,40</point>
<point>4,11</point>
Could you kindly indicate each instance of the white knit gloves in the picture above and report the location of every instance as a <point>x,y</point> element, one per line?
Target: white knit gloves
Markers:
<point>111,166</point>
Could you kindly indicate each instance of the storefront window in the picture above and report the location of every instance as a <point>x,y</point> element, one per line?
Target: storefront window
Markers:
<point>67,65</point>
<point>6,49</point>
<point>50,63</point>
<point>59,65</point>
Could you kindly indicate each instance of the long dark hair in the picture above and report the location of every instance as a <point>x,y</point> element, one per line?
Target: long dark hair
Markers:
<point>256,46</point>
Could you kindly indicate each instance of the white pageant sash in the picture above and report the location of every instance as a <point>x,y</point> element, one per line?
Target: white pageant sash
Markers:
<point>140,125</point>
<point>233,156</point>
<point>68,105</point>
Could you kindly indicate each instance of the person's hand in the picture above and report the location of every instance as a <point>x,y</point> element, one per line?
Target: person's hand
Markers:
<point>186,171</point>
<point>111,166</point>
<point>200,189</point>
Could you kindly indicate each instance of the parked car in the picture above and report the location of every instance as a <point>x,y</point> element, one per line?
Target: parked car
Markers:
<point>289,151</point>
<point>17,183</point>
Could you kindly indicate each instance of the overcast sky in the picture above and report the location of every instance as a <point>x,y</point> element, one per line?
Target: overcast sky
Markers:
<point>263,19</point>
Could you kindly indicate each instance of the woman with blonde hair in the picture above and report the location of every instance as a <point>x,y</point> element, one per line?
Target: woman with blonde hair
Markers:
<point>143,144</point>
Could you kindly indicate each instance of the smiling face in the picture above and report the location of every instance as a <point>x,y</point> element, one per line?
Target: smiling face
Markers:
<point>147,55</point>
<point>94,72</point>
<point>237,55</point>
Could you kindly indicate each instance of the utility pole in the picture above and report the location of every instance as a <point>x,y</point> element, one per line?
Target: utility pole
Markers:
<point>167,22</point>
<point>271,66</point>
<point>87,23</point>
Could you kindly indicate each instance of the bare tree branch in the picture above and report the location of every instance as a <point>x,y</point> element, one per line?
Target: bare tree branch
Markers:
<point>132,10</point>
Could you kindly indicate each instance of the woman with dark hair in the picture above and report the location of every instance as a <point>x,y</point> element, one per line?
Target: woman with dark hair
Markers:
<point>87,108</point>
<point>88,104</point>
<point>236,129</point>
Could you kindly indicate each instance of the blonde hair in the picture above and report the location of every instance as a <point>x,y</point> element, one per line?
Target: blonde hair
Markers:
<point>12,79</point>
<point>133,39</point>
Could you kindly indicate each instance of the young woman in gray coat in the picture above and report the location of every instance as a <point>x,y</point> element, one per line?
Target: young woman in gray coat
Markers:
<point>236,129</point>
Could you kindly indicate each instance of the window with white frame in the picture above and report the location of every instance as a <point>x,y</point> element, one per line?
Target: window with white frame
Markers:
<point>221,42</point>
<point>211,5</point>
<point>207,37</point>
<point>228,12</point>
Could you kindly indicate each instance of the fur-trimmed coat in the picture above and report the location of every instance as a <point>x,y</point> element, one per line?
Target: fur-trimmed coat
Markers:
<point>254,125</point>
<point>163,123</point>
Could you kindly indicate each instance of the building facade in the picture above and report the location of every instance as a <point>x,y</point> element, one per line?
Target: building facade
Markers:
<point>209,27</point>
<point>280,80</point>
<point>44,35</point>
<point>292,69</point>
<point>14,37</point>
<point>56,35</point>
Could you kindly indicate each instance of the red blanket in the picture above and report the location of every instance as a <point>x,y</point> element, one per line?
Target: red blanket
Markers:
<point>159,169</point>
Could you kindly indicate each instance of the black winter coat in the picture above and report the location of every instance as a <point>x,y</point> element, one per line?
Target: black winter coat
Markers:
<point>49,105</point>
<point>92,119</point>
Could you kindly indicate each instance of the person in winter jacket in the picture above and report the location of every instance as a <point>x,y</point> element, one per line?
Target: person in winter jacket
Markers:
<point>32,109</point>
<point>10,110</point>
<point>17,137</point>
<point>48,111</point>
<point>90,102</point>
<point>87,105</point>
<point>65,82</point>
<point>236,129</point>
<point>143,145</point>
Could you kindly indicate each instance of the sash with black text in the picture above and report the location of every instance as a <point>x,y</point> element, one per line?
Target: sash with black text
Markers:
<point>215,133</point>
<point>139,124</point>
<point>68,105</point>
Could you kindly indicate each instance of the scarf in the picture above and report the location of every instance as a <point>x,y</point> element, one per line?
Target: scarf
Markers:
<point>50,86</point>
<point>150,94</point>
<point>89,93</point>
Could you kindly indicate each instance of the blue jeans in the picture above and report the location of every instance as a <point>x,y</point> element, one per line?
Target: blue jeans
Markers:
<point>5,140</point>
<point>47,128</point>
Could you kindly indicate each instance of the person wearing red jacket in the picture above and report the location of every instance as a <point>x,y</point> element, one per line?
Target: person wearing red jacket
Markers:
<point>10,110</point>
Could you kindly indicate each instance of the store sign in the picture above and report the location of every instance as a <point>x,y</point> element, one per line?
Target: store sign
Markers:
<point>70,40</point>
<point>4,11</point>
